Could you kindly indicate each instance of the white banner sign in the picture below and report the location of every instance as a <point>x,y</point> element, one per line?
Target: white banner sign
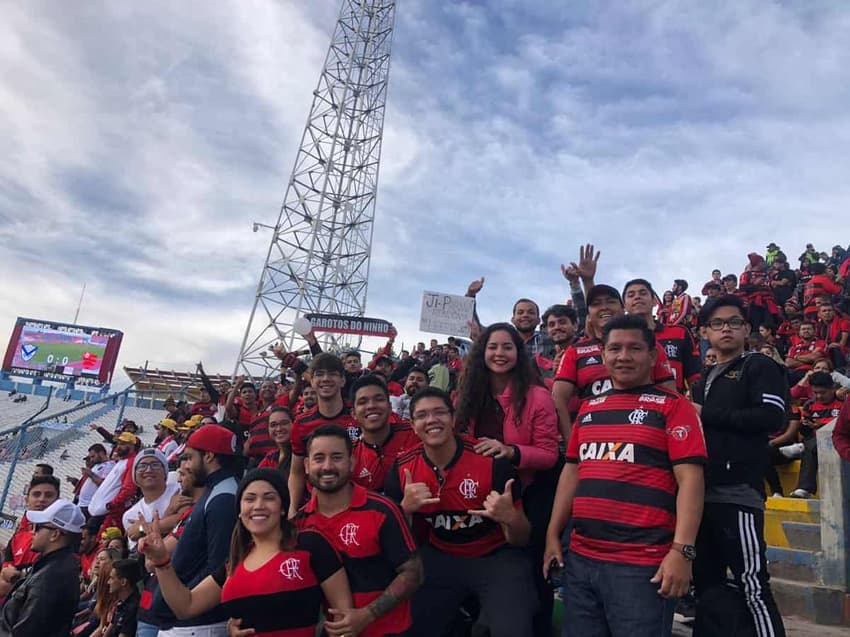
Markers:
<point>446,314</point>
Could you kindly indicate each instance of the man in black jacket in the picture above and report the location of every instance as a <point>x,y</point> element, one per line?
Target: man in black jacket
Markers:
<point>44,602</point>
<point>741,401</point>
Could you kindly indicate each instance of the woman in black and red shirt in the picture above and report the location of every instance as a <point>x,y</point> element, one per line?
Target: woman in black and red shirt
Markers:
<point>276,577</point>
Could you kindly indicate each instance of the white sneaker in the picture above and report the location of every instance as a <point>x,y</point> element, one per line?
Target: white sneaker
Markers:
<point>794,452</point>
<point>801,493</point>
<point>777,495</point>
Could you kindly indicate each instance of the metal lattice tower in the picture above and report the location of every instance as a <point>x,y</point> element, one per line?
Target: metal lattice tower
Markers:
<point>318,260</point>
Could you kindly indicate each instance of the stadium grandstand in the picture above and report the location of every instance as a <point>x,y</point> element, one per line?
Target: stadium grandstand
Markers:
<point>151,384</point>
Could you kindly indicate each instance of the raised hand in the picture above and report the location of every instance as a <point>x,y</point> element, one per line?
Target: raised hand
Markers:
<point>416,494</point>
<point>151,544</point>
<point>498,507</point>
<point>475,287</point>
<point>587,262</point>
<point>570,273</point>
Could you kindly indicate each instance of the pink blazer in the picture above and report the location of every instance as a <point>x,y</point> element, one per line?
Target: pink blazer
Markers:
<point>534,433</point>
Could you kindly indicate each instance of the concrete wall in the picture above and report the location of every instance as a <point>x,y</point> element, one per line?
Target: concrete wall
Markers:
<point>834,487</point>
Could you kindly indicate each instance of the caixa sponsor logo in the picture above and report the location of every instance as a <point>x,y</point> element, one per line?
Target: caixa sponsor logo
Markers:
<point>590,349</point>
<point>614,451</point>
<point>454,522</point>
<point>600,386</point>
<point>652,398</point>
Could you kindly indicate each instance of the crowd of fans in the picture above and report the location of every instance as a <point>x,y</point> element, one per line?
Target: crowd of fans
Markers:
<point>616,446</point>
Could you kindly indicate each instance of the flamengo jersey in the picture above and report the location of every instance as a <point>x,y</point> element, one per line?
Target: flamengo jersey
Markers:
<point>820,414</point>
<point>582,366</point>
<point>682,353</point>
<point>373,539</point>
<point>465,483</point>
<point>283,597</point>
<point>306,423</point>
<point>373,462</point>
<point>625,443</point>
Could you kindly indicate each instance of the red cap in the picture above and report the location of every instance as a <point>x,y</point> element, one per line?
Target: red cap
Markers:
<point>215,439</point>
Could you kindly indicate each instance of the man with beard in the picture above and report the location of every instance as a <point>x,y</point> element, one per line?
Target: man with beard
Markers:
<point>308,399</point>
<point>380,442</point>
<point>417,378</point>
<point>118,490</point>
<point>369,531</point>
<point>18,555</point>
<point>327,378</point>
<point>676,340</point>
<point>150,473</point>
<point>561,322</point>
<point>204,545</point>
<point>166,437</point>
<point>98,466</point>
<point>44,603</point>
<point>582,372</point>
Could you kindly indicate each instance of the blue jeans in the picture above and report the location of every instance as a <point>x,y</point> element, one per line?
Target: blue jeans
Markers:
<point>608,599</point>
<point>146,630</point>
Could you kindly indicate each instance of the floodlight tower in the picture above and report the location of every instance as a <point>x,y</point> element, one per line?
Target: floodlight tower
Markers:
<point>318,259</point>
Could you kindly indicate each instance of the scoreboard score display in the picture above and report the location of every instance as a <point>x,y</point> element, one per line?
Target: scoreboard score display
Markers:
<point>60,351</point>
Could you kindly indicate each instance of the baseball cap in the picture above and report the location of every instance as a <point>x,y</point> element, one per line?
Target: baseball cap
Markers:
<point>111,533</point>
<point>150,452</point>
<point>126,436</point>
<point>215,439</point>
<point>64,515</point>
<point>169,424</point>
<point>603,290</point>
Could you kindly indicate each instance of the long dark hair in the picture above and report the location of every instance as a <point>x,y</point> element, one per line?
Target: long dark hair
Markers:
<point>475,383</point>
<point>241,541</point>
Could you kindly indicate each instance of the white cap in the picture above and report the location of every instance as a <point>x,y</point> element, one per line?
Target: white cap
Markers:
<point>64,515</point>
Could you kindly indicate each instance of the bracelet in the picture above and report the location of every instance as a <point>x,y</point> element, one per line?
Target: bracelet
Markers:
<point>167,562</point>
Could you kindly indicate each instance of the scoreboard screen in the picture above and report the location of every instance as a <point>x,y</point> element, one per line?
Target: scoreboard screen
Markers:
<point>60,351</point>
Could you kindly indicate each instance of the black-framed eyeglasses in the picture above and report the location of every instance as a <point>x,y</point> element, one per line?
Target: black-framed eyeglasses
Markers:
<point>735,323</point>
<point>152,467</point>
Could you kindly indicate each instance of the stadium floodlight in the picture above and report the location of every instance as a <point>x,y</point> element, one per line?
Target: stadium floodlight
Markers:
<point>318,257</point>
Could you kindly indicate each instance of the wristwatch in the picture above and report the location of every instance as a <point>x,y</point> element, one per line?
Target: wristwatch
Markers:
<point>688,550</point>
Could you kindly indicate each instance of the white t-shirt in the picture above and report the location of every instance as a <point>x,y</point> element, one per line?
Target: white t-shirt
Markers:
<point>89,487</point>
<point>148,509</point>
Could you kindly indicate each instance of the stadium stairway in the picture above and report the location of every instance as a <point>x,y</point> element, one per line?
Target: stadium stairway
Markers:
<point>795,557</point>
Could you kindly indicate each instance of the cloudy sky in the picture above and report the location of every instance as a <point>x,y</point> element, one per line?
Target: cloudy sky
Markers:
<point>140,140</point>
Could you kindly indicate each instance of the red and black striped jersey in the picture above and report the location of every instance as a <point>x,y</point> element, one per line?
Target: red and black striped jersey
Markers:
<point>373,539</point>
<point>818,413</point>
<point>462,486</point>
<point>305,424</point>
<point>373,462</point>
<point>625,443</point>
<point>682,353</point>
<point>283,597</point>
<point>259,441</point>
<point>582,366</point>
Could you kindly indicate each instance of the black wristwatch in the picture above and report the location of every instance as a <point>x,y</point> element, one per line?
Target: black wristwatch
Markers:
<point>688,550</point>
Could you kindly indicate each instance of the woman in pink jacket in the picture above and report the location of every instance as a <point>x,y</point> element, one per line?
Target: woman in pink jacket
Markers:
<point>503,403</point>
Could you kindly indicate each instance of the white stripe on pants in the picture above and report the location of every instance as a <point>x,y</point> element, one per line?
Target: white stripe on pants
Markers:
<point>749,574</point>
<point>210,630</point>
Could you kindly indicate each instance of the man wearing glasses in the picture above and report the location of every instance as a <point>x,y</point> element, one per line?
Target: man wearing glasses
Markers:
<point>44,602</point>
<point>469,508</point>
<point>327,377</point>
<point>150,474</point>
<point>741,400</point>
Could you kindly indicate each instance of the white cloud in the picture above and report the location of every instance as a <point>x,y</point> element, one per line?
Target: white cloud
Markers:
<point>141,140</point>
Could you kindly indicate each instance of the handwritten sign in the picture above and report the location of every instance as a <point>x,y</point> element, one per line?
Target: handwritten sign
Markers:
<point>446,313</point>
